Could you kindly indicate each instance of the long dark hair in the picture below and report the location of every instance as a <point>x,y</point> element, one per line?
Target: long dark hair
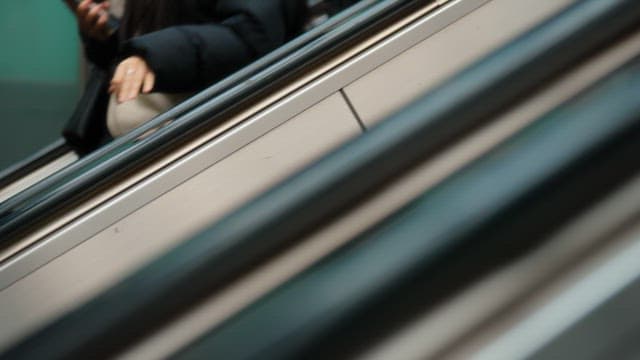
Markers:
<point>144,16</point>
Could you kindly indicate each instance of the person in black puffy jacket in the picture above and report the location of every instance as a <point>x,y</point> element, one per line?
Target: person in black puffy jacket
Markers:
<point>177,47</point>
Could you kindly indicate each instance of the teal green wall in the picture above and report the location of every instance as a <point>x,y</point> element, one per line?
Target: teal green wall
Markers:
<point>39,42</point>
<point>39,75</point>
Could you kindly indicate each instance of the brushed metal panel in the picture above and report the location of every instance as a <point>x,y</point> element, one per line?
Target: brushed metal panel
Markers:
<point>107,257</point>
<point>397,82</point>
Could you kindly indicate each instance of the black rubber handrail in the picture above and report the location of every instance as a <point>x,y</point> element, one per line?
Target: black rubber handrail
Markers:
<point>37,160</point>
<point>340,180</point>
<point>496,208</point>
<point>43,199</point>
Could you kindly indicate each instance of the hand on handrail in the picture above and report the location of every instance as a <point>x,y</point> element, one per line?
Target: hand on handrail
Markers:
<point>132,77</point>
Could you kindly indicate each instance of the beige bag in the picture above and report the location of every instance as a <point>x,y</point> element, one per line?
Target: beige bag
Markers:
<point>122,118</point>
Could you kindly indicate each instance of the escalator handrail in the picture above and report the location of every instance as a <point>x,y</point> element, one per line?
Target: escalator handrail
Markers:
<point>177,280</point>
<point>21,211</point>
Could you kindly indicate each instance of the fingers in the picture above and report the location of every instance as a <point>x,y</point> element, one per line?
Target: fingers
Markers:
<point>88,12</point>
<point>118,77</point>
<point>149,82</point>
<point>83,8</point>
<point>131,77</point>
<point>132,84</point>
<point>101,24</point>
<point>92,19</point>
<point>82,11</point>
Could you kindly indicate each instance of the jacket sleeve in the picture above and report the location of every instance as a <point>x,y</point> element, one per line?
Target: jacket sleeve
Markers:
<point>190,57</point>
<point>101,53</point>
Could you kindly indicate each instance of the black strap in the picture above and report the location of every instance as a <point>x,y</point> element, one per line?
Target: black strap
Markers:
<point>86,129</point>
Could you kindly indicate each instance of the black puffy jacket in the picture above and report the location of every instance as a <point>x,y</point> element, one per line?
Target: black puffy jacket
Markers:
<point>216,38</point>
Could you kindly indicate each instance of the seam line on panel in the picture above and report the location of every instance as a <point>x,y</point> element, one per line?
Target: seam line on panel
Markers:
<point>353,110</point>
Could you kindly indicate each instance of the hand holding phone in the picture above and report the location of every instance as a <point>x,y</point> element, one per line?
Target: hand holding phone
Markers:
<point>94,18</point>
